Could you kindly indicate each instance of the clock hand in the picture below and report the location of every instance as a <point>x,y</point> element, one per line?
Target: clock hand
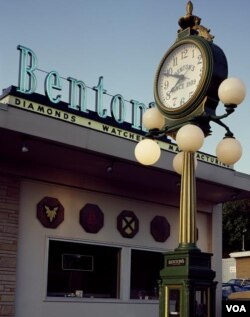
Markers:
<point>184,75</point>
<point>180,76</point>
<point>180,79</point>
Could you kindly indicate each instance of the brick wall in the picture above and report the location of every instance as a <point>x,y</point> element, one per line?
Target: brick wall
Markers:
<point>9,206</point>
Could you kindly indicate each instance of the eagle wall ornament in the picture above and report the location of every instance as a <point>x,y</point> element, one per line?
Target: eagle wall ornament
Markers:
<point>50,212</point>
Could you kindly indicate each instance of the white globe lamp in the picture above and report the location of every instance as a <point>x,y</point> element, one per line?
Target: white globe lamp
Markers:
<point>178,162</point>
<point>190,138</point>
<point>153,119</point>
<point>229,151</point>
<point>147,152</point>
<point>232,91</point>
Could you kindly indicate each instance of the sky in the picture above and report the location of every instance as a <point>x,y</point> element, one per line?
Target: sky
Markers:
<point>124,41</point>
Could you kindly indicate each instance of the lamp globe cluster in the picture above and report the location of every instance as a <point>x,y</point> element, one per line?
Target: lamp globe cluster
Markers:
<point>148,151</point>
<point>231,92</point>
<point>190,137</point>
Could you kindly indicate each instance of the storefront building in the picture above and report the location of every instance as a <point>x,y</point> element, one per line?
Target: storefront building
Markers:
<point>82,225</point>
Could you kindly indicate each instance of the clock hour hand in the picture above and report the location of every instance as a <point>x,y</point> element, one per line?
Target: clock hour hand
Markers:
<point>180,79</point>
<point>179,76</point>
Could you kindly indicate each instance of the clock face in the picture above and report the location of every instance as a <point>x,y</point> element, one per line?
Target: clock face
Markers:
<point>180,76</point>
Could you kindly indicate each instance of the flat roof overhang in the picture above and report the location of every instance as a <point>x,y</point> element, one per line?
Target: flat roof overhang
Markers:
<point>126,172</point>
<point>82,150</point>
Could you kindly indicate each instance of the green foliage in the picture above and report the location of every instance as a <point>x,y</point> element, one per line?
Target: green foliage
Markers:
<point>236,220</point>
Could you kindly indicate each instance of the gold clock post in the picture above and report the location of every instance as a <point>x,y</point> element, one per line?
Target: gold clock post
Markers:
<point>187,231</point>
<point>187,286</point>
<point>187,280</point>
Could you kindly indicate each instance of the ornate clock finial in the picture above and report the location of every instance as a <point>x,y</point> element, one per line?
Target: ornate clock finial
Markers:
<point>193,22</point>
<point>189,8</point>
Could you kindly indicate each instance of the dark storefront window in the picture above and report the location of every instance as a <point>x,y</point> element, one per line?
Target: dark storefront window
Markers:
<point>83,270</point>
<point>145,272</point>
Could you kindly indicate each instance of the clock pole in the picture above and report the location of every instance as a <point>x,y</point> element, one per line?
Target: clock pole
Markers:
<point>187,286</point>
<point>187,231</point>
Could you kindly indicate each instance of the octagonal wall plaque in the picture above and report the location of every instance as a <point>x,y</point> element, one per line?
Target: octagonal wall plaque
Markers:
<point>127,224</point>
<point>50,212</point>
<point>91,218</point>
<point>160,228</point>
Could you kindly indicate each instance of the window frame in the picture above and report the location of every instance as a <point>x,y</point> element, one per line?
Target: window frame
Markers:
<point>123,272</point>
<point>145,296</point>
<point>89,243</point>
